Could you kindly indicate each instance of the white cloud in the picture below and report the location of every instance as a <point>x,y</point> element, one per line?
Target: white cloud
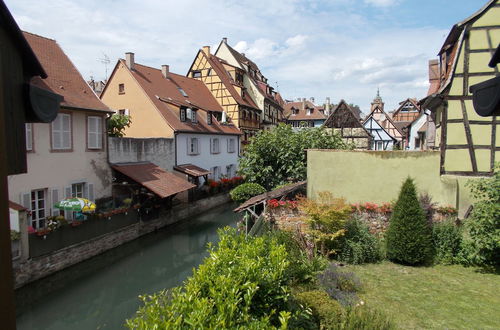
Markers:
<point>309,47</point>
<point>381,3</point>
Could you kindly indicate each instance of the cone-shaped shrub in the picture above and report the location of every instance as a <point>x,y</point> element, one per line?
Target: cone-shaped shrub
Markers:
<point>409,236</point>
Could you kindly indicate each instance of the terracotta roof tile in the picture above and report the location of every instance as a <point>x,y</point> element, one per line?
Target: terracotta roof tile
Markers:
<point>154,178</point>
<point>165,93</point>
<point>63,77</point>
<point>302,113</point>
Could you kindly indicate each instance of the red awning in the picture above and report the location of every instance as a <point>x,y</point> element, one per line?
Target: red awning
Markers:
<point>154,178</point>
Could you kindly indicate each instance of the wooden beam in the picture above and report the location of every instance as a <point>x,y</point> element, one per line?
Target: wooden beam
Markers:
<point>494,148</point>
<point>468,136</point>
<point>444,125</point>
<point>471,122</point>
<point>458,97</point>
<point>466,146</point>
<point>466,173</point>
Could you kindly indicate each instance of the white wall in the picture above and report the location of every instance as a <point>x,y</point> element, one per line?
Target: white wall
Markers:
<point>14,219</point>
<point>415,126</point>
<point>205,159</point>
<point>159,151</point>
<point>58,170</point>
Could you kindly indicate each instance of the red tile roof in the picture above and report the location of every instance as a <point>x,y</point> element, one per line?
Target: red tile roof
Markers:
<point>63,77</point>
<point>302,114</point>
<point>164,93</point>
<point>154,178</point>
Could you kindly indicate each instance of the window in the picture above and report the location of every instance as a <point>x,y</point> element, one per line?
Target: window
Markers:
<point>380,145</point>
<point>182,92</point>
<point>77,190</point>
<point>29,137</point>
<point>308,112</point>
<point>209,71</point>
<point>194,120</point>
<point>38,208</point>
<point>216,173</point>
<point>61,132</point>
<point>231,145</point>
<point>94,132</point>
<point>193,146</point>
<point>121,88</point>
<point>196,74</point>
<point>239,78</point>
<point>214,146</point>
<point>230,170</point>
<point>183,114</point>
<point>209,118</point>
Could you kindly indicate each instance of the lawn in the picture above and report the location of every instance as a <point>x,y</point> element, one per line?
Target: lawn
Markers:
<point>439,297</point>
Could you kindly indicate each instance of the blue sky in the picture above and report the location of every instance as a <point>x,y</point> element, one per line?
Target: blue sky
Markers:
<point>344,49</point>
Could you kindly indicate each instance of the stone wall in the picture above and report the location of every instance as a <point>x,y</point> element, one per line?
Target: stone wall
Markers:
<point>36,268</point>
<point>160,151</point>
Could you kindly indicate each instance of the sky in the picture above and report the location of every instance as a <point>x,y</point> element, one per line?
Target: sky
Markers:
<point>342,49</point>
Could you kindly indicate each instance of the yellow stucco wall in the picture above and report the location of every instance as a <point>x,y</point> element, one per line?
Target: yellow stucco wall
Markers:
<point>147,122</point>
<point>377,176</point>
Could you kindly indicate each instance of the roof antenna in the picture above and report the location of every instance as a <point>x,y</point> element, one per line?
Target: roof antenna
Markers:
<point>105,60</point>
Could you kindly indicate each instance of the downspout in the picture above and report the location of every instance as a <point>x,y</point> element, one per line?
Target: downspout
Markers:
<point>175,147</point>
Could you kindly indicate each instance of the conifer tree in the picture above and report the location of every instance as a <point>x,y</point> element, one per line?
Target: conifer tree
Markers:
<point>409,236</point>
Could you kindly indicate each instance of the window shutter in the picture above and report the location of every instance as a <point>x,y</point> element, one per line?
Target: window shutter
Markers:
<point>211,146</point>
<point>188,143</point>
<point>66,128</point>
<point>67,192</point>
<point>85,191</point>
<point>55,199</point>
<point>99,132</point>
<point>29,136</point>
<point>91,192</point>
<point>56,133</point>
<point>25,200</point>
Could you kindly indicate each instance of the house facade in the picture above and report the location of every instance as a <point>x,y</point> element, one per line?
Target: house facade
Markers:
<point>256,84</point>
<point>469,143</point>
<point>394,129</point>
<point>67,157</point>
<point>303,113</point>
<point>346,121</point>
<point>163,104</point>
<point>226,83</point>
<point>382,140</point>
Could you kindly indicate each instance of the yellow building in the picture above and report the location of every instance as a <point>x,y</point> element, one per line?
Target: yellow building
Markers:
<point>469,144</point>
<point>225,82</point>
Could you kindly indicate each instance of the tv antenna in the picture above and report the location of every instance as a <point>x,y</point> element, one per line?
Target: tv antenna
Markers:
<point>105,60</point>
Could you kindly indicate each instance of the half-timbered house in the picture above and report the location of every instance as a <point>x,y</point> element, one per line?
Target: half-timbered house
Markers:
<point>346,121</point>
<point>394,129</point>
<point>469,143</point>
<point>382,140</point>
<point>225,82</point>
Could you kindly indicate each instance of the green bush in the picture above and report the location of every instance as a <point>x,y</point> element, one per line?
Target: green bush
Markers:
<point>363,318</point>
<point>14,235</point>
<point>241,284</point>
<point>358,245</point>
<point>447,239</point>
<point>409,236</point>
<point>483,226</point>
<point>327,312</point>
<point>302,269</point>
<point>246,191</point>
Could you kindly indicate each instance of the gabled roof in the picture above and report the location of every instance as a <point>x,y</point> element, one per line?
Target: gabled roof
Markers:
<point>302,113</point>
<point>218,65</point>
<point>154,178</point>
<point>165,94</point>
<point>380,127</point>
<point>388,118</point>
<point>414,102</point>
<point>337,119</point>
<point>63,77</point>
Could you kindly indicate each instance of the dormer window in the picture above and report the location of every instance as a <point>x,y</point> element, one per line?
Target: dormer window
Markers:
<point>196,74</point>
<point>308,112</point>
<point>239,78</point>
<point>209,118</point>
<point>183,114</point>
<point>194,120</point>
<point>182,92</point>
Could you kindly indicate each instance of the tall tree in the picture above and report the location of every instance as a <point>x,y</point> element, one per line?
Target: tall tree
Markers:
<point>278,156</point>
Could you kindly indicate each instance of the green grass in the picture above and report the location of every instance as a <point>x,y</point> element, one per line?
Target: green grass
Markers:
<point>439,297</point>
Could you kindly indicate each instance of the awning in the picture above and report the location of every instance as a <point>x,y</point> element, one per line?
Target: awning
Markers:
<point>191,170</point>
<point>154,178</point>
<point>16,206</point>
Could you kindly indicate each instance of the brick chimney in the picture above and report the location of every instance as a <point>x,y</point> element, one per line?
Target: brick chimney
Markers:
<point>206,50</point>
<point>165,70</point>
<point>224,40</point>
<point>303,103</point>
<point>129,60</point>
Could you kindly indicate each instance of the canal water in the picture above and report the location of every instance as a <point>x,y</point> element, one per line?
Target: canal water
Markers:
<point>102,292</point>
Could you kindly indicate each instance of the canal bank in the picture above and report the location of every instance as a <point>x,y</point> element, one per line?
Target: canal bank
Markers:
<point>102,292</point>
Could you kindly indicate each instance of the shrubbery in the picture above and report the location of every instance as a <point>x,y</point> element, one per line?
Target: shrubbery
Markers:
<point>483,226</point>
<point>447,240</point>
<point>358,245</point>
<point>409,236</point>
<point>242,284</point>
<point>246,191</point>
<point>341,286</point>
<point>326,311</point>
<point>364,318</point>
